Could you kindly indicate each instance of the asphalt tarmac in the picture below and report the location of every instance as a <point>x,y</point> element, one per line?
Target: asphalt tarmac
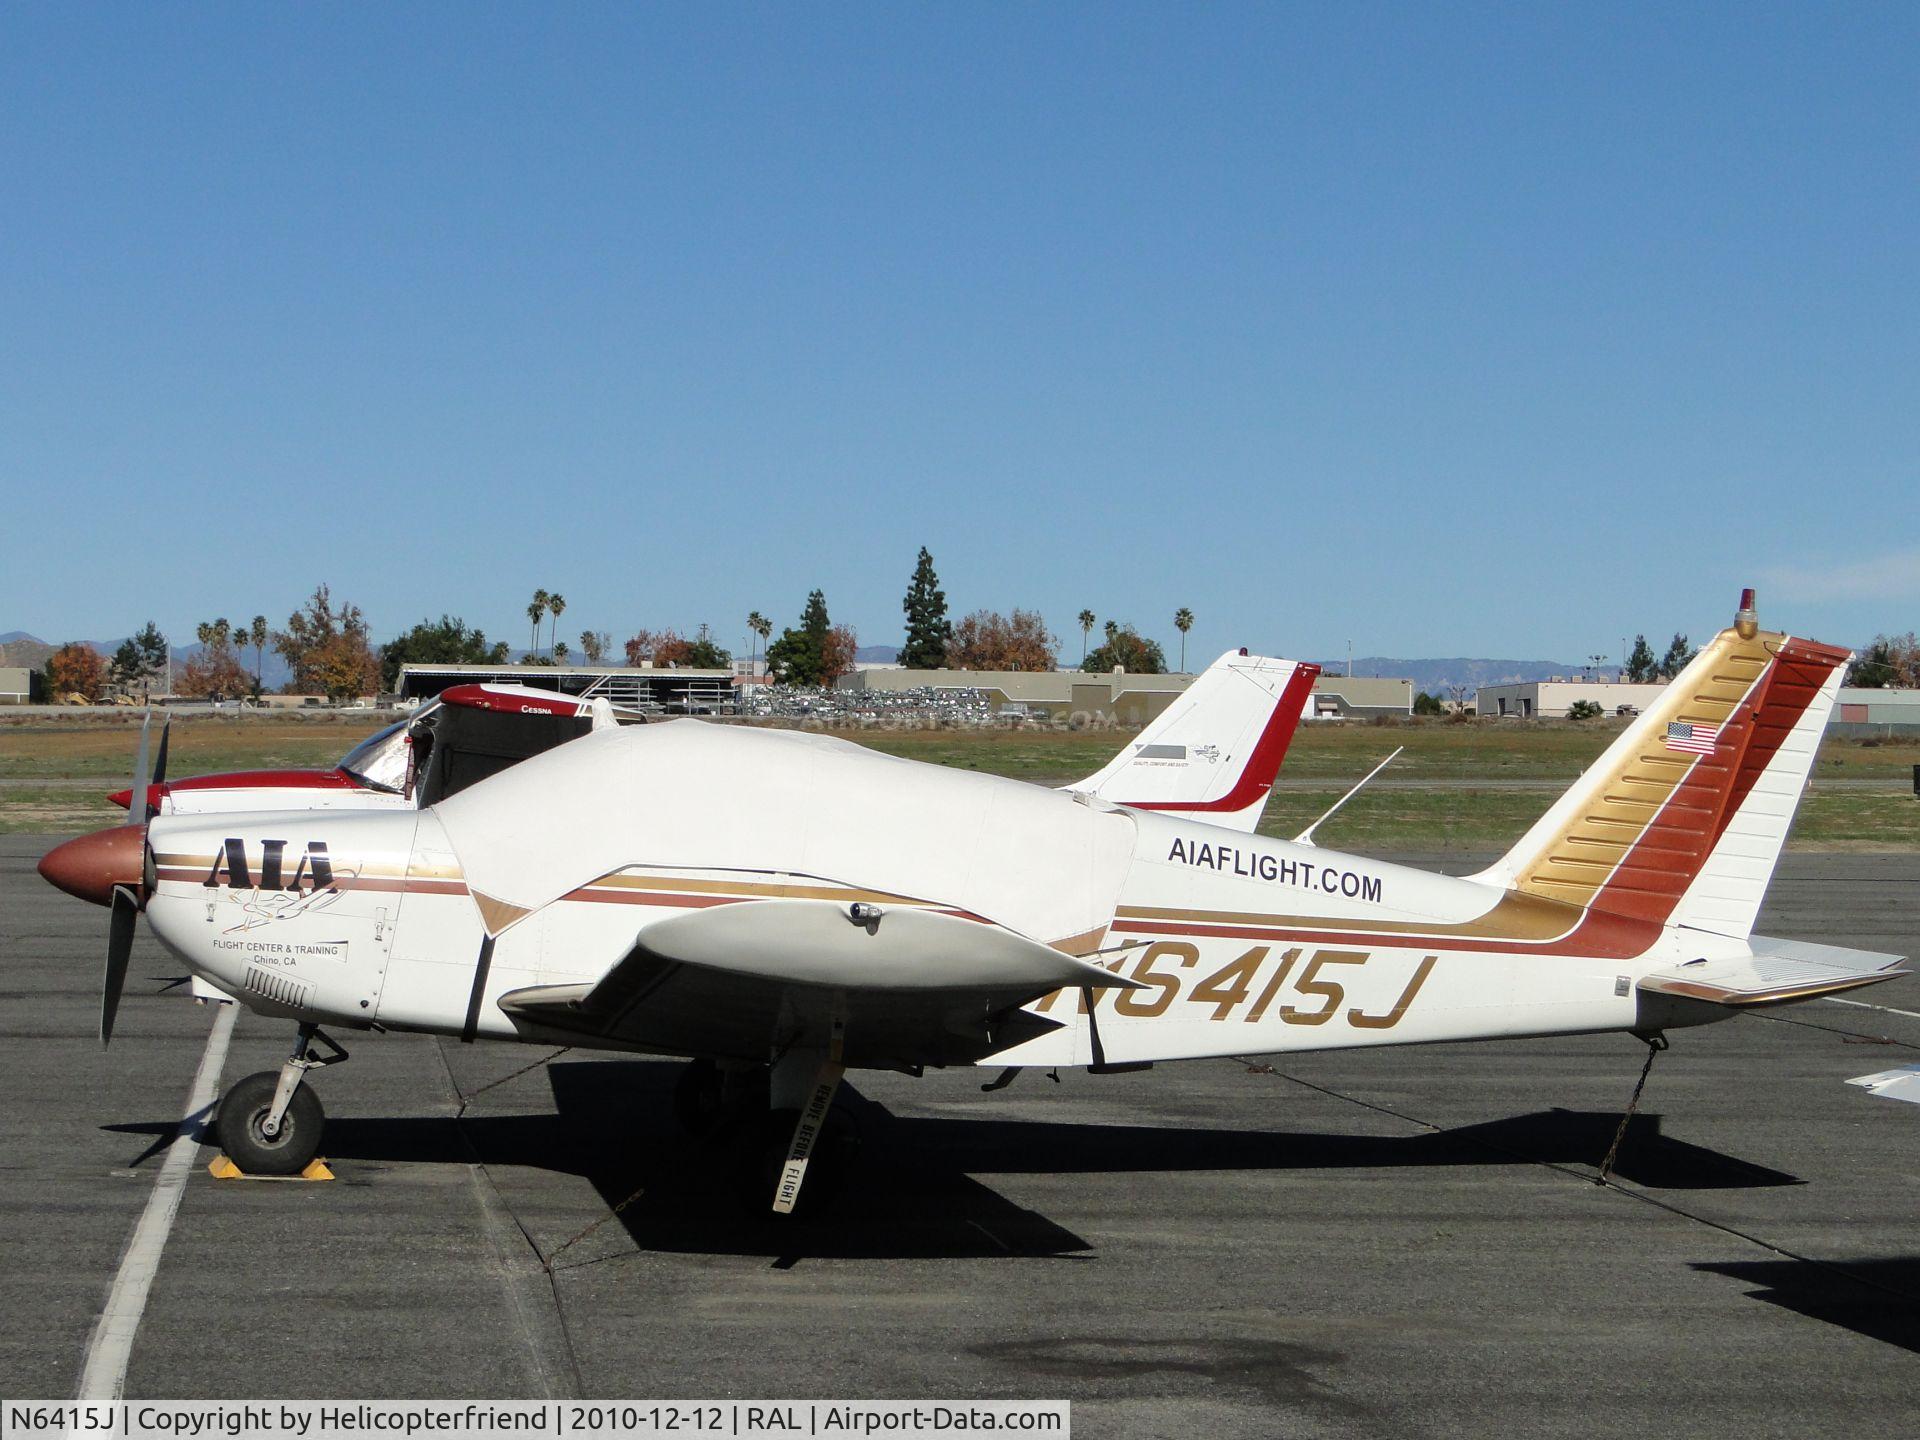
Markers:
<point>1393,1242</point>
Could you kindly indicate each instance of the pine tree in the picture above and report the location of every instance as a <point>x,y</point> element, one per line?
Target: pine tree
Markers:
<point>1641,666</point>
<point>1679,653</point>
<point>928,630</point>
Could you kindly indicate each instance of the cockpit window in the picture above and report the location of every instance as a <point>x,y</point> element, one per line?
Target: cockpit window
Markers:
<point>380,760</point>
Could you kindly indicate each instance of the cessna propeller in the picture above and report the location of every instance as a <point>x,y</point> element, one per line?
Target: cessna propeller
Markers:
<point>115,868</point>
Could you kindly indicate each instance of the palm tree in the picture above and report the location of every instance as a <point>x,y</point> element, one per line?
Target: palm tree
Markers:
<point>555,604</point>
<point>1087,617</point>
<point>257,633</point>
<point>762,628</point>
<point>1183,622</point>
<point>536,612</point>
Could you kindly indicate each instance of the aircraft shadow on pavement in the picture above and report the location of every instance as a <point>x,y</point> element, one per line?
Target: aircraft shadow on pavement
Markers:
<point>913,1191</point>
<point>1876,1298</point>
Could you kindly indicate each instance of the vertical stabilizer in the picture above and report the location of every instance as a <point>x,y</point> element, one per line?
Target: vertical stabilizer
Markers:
<point>1214,752</point>
<point>1682,818</point>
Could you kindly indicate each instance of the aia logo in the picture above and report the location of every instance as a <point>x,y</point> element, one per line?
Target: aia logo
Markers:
<point>313,871</point>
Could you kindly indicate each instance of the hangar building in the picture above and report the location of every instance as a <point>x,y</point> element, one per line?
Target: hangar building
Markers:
<point>642,687</point>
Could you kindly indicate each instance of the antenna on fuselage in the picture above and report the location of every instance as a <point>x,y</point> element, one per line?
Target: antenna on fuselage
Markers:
<point>1305,837</point>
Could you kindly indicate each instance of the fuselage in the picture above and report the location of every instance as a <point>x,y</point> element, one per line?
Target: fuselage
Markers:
<point>1242,944</point>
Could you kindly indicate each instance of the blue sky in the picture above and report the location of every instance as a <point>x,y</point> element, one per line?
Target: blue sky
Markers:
<point>1443,329</point>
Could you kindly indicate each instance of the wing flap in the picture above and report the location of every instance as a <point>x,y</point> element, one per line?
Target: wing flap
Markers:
<point>1776,972</point>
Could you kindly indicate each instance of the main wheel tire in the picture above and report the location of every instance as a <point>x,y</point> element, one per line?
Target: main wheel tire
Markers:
<point>238,1121</point>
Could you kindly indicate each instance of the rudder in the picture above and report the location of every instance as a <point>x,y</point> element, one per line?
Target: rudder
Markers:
<point>1681,820</point>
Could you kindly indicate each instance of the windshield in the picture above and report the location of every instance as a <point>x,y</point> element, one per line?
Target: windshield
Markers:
<point>380,760</point>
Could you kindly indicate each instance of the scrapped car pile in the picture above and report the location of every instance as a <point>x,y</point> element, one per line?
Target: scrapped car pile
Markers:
<point>921,706</point>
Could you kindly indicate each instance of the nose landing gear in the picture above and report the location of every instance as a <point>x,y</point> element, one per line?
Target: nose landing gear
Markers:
<point>270,1123</point>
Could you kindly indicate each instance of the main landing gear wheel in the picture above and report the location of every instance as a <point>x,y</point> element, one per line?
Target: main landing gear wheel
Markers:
<point>240,1124</point>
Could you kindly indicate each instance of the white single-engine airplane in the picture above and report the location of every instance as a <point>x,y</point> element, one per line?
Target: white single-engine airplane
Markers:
<point>786,906</point>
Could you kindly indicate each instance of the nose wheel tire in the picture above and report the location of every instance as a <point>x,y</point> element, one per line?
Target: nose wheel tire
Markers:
<point>238,1124</point>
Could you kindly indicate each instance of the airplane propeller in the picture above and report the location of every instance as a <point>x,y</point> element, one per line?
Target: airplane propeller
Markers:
<point>130,900</point>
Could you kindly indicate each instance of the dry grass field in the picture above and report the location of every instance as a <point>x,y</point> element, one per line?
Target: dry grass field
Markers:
<point>1455,786</point>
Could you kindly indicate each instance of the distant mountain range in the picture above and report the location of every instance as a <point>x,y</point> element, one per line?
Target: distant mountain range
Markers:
<point>17,647</point>
<point>1438,677</point>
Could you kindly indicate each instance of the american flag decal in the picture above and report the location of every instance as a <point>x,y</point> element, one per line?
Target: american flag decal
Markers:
<point>1692,739</point>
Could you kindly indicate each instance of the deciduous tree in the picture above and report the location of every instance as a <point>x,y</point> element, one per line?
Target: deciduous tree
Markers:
<point>799,656</point>
<point>704,653</point>
<point>215,672</point>
<point>1127,650</point>
<point>327,650</point>
<point>1890,662</point>
<point>657,647</point>
<point>988,640</point>
<point>76,669</point>
<point>446,641</point>
<point>594,644</point>
<point>837,653</point>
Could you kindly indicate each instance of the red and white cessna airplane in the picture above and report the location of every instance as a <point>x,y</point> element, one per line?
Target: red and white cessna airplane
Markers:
<point>785,906</point>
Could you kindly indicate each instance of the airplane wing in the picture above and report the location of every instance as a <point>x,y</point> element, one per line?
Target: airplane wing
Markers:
<point>1214,752</point>
<point>1776,972</point>
<point>479,730</point>
<point>743,980</point>
<point>1901,1083</point>
<point>530,700</point>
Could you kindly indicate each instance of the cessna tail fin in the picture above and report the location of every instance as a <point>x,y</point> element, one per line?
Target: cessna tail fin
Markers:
<point>1682,818</point>
<point>1214,752</point>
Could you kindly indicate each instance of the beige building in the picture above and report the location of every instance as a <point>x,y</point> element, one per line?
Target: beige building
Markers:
<point>1120,697</point>
<point>16,684</point>
<point>1551,699</point>
<point>1054,694</point>
<point>1360,697</point>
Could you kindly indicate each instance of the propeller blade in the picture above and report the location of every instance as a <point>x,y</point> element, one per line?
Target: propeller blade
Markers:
<point>126,911</point>
<point>139,796</point>
<point>159,767</point>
